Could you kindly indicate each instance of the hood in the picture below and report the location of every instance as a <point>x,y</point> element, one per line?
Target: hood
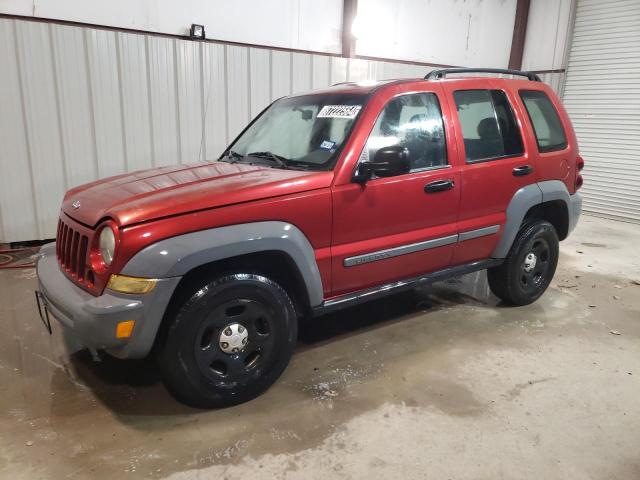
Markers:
<point>161,192</point>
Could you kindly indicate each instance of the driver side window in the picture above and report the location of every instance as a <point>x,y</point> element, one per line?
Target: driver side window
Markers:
<point>413,121</point>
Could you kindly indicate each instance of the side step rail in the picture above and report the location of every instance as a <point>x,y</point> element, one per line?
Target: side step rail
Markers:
<point>362,296</point>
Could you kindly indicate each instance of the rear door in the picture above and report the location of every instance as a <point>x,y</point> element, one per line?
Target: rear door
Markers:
<point>496,163</point>
<point>401,226</point>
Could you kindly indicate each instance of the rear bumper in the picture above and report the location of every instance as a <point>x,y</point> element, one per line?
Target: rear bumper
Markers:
<point>575,209</point>
<point>92,319</point>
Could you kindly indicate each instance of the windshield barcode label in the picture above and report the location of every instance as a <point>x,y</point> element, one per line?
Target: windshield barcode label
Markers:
<point>339,111</point>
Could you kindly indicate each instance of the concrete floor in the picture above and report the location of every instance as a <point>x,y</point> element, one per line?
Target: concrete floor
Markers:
<point>438,383</point>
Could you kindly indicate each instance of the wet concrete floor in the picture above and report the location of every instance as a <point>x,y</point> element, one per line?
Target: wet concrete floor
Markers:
<point>443,382</point>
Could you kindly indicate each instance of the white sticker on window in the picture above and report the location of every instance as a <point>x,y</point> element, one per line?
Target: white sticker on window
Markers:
<point>327,145</point>
<point>339,111</point>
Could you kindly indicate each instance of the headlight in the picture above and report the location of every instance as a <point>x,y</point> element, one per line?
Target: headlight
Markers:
<point>107,245</point>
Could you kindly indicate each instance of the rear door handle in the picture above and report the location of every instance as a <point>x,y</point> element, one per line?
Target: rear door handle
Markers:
<point>438,186</point>
<point>522,170</point>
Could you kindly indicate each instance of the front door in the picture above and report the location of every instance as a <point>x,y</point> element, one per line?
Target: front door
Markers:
<point>401,226</point>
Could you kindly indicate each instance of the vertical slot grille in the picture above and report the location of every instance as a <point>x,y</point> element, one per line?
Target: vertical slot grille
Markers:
<point>71,250</point>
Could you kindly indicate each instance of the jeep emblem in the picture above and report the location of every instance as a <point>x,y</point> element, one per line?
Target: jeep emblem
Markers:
<point>76,204</point>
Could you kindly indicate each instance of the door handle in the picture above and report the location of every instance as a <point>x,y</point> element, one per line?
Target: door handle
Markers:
<point>438,186</point>
<point>522,170</point>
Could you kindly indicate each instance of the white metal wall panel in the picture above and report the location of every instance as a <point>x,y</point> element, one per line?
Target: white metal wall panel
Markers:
<point>41,118</point>
<point>79,104</point>
<point>237,89</point>
<point>17,204</point>
<point>74,104</point>
<point>321,71</point>
<point>216,125</point>
<point>280,74</point>
<point>338,70</point>
<point>135,101</point>
<point>106,101</point>
<point>260,79</point>
<point>602,96</point>
<point>301,72</point>
<point>163,112</point>
<point>190,104</point>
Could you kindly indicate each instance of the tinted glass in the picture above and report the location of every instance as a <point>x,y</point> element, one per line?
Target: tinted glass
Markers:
<point>488,125</point>
<point>546,122</point>
<point>413,121</point>
<point>305,131</point>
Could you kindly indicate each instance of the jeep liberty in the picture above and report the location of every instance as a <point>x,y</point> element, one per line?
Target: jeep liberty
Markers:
<point>325,200</point>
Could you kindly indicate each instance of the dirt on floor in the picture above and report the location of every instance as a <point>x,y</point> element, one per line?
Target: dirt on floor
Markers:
<point>443,383</point>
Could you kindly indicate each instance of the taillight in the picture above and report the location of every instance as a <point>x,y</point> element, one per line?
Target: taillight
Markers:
<point>579,167</point>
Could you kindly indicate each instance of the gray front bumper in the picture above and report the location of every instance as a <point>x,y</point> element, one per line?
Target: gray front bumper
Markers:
<point>93,320</point>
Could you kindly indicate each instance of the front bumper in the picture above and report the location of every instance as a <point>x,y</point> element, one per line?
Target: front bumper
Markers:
<point>92,319</point>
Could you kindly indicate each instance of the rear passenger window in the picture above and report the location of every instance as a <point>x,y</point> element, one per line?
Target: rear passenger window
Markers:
<point>488,125</point>
<point>413,121</point>
<point>545,120</point>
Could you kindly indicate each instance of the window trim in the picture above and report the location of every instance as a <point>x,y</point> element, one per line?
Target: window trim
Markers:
<point>495,115</point>
<point>554,148</point>
<point>417,170</point>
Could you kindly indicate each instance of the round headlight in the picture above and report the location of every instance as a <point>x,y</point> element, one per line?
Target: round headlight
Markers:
<point>107,245</point>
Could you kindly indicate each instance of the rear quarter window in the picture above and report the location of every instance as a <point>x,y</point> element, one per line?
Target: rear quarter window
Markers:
<point>546,122</point>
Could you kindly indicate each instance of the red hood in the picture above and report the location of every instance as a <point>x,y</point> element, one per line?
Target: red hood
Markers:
<point>166,191</point>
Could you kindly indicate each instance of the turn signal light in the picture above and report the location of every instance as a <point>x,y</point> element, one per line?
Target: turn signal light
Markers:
<point>125,329</point>
<point>579,181</point>
<point>135,285</point>
<point>580,163</point>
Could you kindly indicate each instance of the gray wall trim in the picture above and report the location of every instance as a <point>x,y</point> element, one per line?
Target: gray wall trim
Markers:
<point>479,232</point>
<point>397,251</point>
<point>176,256</point>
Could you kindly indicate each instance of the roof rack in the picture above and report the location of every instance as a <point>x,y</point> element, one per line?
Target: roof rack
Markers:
<point>439,74</point>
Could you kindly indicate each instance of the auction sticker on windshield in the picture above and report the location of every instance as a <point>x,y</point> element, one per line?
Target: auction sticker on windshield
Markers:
<point>339,111</point>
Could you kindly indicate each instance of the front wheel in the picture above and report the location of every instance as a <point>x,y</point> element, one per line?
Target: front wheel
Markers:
<point>529,267</point>
<point>228,342</point>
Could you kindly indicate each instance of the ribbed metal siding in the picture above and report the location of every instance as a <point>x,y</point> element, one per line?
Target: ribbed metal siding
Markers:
<point>77,104</point>
<point>602,96</point>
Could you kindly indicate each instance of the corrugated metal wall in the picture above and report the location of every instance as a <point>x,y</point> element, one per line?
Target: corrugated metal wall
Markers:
<point>602,96</point>
<point>77,104</point>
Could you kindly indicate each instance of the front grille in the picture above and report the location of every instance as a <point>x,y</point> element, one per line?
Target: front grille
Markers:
<point>71,250</point>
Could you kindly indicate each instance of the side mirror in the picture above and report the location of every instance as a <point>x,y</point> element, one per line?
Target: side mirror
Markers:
<point>391,161</point>
<point>388,162</point>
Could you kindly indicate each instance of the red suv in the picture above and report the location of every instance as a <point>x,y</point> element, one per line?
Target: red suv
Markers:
<point>325,200</point>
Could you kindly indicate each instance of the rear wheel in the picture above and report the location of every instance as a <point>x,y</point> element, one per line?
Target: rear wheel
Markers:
<point>228,342</point>
<point>530,265</point>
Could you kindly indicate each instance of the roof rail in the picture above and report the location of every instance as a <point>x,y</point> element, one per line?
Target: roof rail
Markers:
<point>439,74</point>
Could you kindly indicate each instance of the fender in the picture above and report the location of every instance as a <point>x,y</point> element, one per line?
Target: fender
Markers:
<point>530,196</point>
<point>176,256</point>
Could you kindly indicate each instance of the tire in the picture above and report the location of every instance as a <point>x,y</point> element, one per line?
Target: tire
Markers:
<point>256,318</point>
<point>530,265</point>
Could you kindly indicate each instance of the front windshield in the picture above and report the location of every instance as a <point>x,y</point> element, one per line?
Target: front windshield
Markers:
<point>299,132</point>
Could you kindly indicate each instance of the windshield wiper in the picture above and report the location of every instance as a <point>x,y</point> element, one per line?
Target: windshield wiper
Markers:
<point>277,159</point>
